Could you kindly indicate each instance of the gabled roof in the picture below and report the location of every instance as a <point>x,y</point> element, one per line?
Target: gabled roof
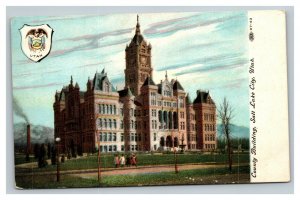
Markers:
<point>148,81</point>
<point>188,99</point>
<point>98,81</point>
<point>125,92</point>
<point>177,86</point>
<point>202,97</point>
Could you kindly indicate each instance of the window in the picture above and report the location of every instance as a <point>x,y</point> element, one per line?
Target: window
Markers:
<point>115,123</point>
<point>115,110</point>
<point>122,137</point>
<point>110,137</point>
<point>114,137</point>
<point>105,123</point>
<point>122,148</point>
<point>106,89</point>
<point>121,124</point>
<point>110,123</point>
<point>131,112</point>
<point>100,137</point>
<point>131,137</point>
<point>111,109</point>
<point>100,123</point>
<point>154,136</point>
<point>105,137</point>
<point>115,148</point>
<point>110,148</point>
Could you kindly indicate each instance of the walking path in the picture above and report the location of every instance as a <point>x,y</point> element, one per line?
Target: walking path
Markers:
<point>126,170</point>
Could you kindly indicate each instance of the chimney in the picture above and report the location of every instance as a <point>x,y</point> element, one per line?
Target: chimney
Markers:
<point>28,140</point>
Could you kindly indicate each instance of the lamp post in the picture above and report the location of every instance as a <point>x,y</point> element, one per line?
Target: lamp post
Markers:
<point>57,140</point>
<point>99,163</point>
<point>175,158</point>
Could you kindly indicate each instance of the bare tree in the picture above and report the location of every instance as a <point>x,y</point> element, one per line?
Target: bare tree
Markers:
<point>225,113</point>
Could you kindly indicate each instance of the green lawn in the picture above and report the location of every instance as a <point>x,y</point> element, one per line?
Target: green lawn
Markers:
<point>20,159</point>
<point>198,176</point>
<point>146,159</point>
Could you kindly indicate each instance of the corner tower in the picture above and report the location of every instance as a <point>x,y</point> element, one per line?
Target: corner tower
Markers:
<point>138,61</point>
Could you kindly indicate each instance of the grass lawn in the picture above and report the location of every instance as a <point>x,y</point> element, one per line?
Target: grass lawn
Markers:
<point>90,162</point>
<point>196,176</point>
<point>20,159</point>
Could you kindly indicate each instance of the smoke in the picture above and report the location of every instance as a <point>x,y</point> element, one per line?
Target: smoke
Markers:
<point>19,111</point>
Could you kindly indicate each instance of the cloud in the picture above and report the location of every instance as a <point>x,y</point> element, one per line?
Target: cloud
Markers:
<point>215,67</point>
<point>55,18</point>
<point>36,86</point>
<point>98,36</point>
<point>169,27</point>
<point>34,73</point>
<point>205,60</point>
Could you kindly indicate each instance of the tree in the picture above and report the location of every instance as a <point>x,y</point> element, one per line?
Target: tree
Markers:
<point>42,161</point>
<point>36,150</point>
<point>225,113</point>
<point>49,150</point>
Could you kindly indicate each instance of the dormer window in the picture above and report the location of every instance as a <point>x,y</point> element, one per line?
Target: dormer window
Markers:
<point>106,87</point>
<point>167,91</point>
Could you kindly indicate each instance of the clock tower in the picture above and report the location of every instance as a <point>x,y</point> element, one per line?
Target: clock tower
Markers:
<point>138,61</point>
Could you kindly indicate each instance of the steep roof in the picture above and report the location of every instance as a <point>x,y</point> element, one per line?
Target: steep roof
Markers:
<point>125,92</point>
<point>138,37</point>
<point>149,81</point>
<point>188,99</point>
<point>98,81</point>
<point>177,86</point>
<point>202,97</point>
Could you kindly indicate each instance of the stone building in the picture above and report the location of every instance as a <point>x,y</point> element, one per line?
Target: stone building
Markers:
<point>144,116</point>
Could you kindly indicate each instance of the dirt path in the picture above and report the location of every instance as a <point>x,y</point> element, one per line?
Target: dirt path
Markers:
<point>149,170</point>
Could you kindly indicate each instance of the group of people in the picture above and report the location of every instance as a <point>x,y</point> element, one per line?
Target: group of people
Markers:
<point>121,161</point>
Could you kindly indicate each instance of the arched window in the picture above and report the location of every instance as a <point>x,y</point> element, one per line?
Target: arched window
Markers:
<point>110,123</point>
<point>105,123</point>
<point>103,108</point>
<point>115,110</point>
<point>100,123</point>
<point>111,109</point>
<point>121,124</point>
<point>106,87</point>
<point>132,125</point>
<point>115,123</point>
<point>105,137</point>
<point>114,137</point>
<point>110,137</point>
<point>107,109</point>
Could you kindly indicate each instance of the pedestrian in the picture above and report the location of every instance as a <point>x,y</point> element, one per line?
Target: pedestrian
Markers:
<point>116,160</point>
<point>134,160</point>
<point>128,160</point>
<point>122,160</point>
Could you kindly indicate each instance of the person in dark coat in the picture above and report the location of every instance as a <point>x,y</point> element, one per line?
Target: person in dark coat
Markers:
<point>128,160</point>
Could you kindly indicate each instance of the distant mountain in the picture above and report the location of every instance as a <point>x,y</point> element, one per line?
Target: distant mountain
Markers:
<point>39,134</point>
<point>236,131</point>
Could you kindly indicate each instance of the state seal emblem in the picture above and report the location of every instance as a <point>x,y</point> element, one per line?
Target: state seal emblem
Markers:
<point>36,41</point>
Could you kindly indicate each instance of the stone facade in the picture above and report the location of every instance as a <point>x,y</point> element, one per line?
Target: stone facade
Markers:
<point>144,116</point>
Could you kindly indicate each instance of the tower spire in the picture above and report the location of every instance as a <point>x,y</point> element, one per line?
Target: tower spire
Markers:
<point>166,75</point>
<point>137,30</point>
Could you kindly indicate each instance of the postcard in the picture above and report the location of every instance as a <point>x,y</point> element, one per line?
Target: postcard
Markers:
<point>142,99</point>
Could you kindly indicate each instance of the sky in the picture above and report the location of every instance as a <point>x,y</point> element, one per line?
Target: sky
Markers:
<point>203,50</point>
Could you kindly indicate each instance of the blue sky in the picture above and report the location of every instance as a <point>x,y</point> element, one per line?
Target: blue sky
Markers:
<point>207,51</point>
